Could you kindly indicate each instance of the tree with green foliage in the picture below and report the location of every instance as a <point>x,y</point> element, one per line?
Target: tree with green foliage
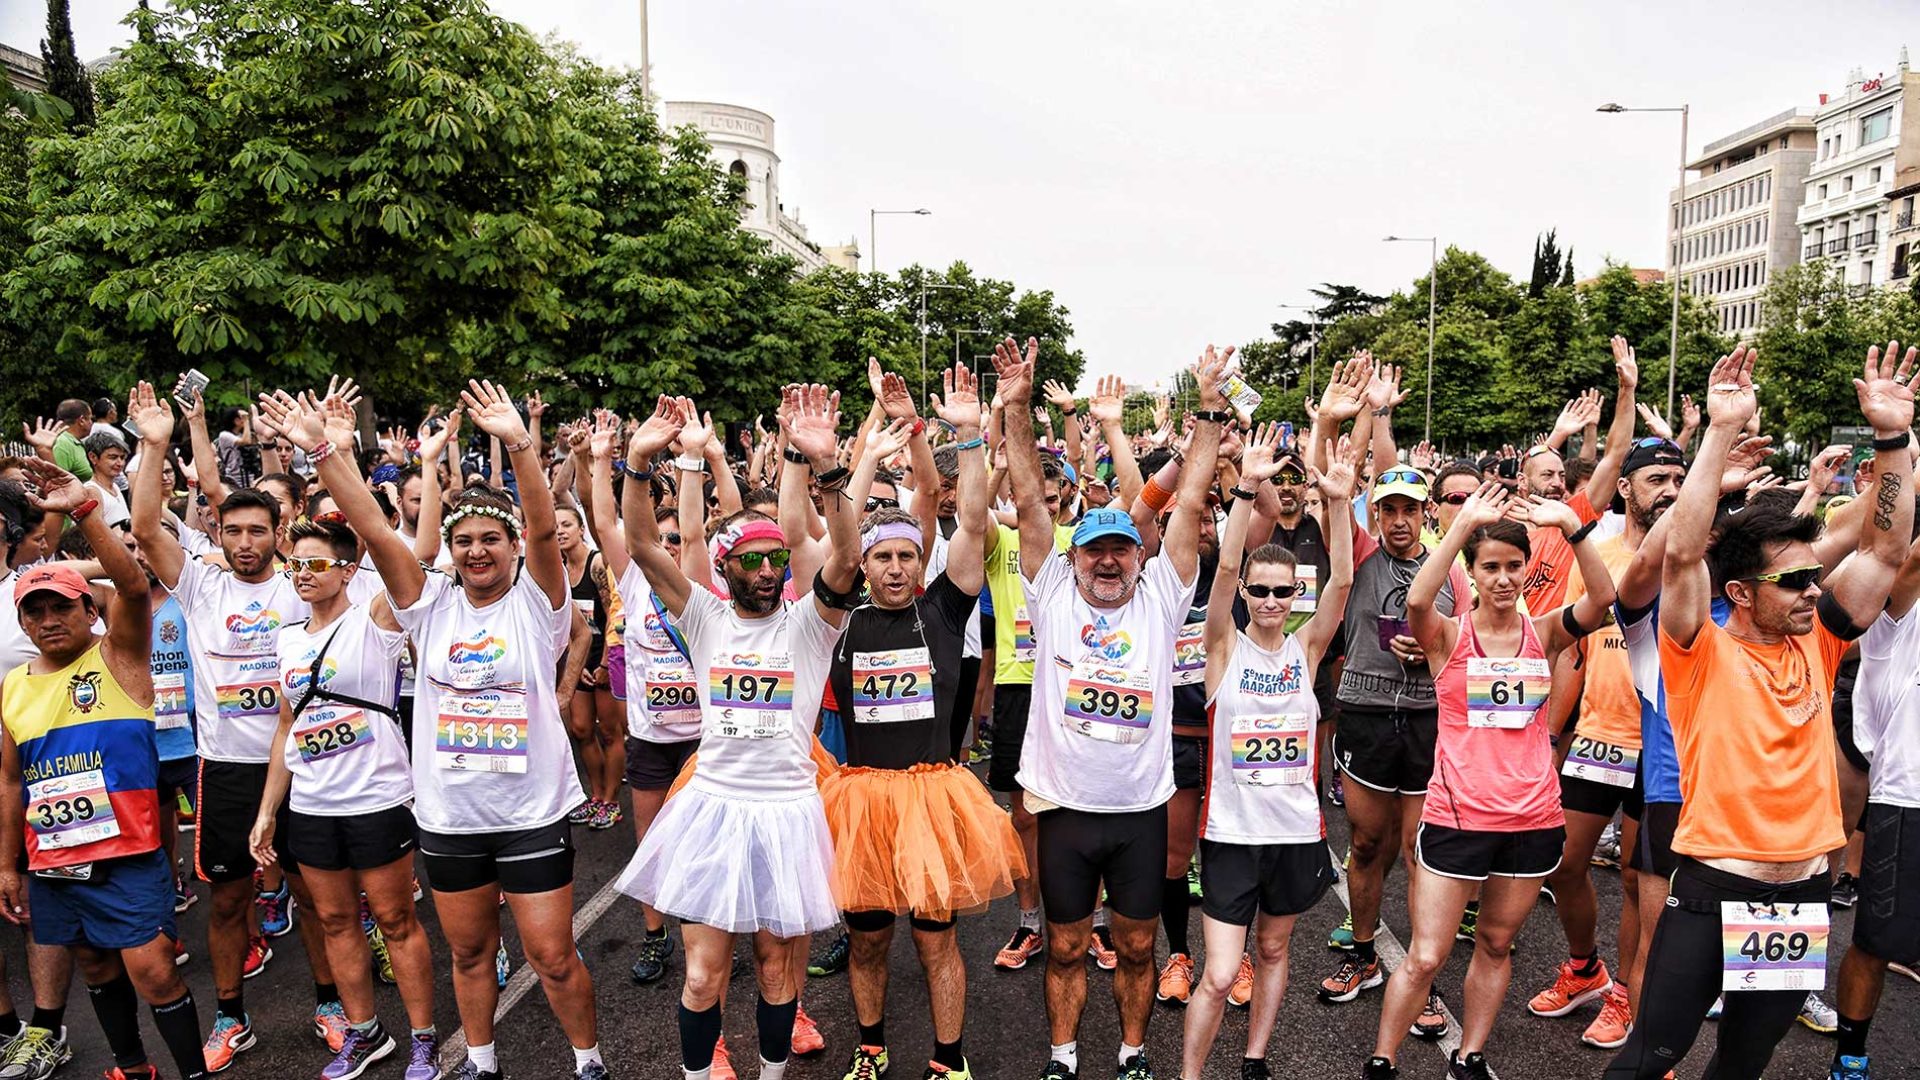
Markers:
<point>987,309</point>
<point>66,75</point>
<point>1816,330</point>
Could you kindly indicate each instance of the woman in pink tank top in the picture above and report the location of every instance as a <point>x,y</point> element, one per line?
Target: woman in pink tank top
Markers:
<point>1492,823</point>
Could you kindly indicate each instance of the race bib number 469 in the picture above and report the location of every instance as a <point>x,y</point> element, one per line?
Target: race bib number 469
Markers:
<point>1773,946</point>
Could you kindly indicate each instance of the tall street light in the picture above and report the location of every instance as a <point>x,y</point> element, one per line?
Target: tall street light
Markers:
<point>1679,237</point>
<point>957,335</point>
<point>924,286</point>
<point>1313,343</point>
<point>873,259</point>
<point>1433,276</point>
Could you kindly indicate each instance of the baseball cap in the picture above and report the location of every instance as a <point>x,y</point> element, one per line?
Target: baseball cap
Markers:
<point>1104,522</point>
<point>1400,480</point>
<point>1650,451</point>
<point>56,578</point>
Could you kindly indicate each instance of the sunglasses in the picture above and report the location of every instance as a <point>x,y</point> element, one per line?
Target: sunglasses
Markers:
<point>1538,450</point>
<point>314,565</point>
<point>1261,592</point>
<point>671,538</point>
<point>1290,477</point>
<point>875,502</point>
<point>1456,498</point>
<point>1400,476</point>
<point>1794,580</point>
<point>750,561</point>
<point>1655,440</point>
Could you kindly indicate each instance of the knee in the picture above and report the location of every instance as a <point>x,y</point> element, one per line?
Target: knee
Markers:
<point>1217,977</point>
<point>1492,942</point>
<point>701,990</point>
<point>1365,849</point>
<point>936,946</point>
<point>230,901</point>
<point>469,953</point>
<point>1134,946</point>
<point>775,980</point>
<point>870,947</point>
<point>1424,961</point>
<point>1272,951</point>
<point>1065,949</point>
<point>338,922</point>
<point>396,922</point>
<point>551,959</point>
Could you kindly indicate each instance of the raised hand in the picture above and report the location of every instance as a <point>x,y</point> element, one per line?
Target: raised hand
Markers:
<point>1886,389</point>
<point>1229,441</point>
<point>889,391</point>
<point>304,425</point>
<point>1488,504</point>
<point>1209,374</point>
<point>1107,405</point>
<point>604,436</point>
<point>1577,414</point>
<point>1625,364</point>
<point>1058,395</point>
<point>1346,392</point>
<point>434,443</point>
<point>1731,400</point>
<point>1689,413</point>
<point>1743,462</point>
<point>54,489</point>
<point>812,425</point>
<point>960,406</point>
<point>1421,456</point>
<point>1257,455</point>
<point>1545,513</point>
<point>150,415</point>
<point>696,431</point>
<point>492,410</point>
<point>888,440</point>
<point>43,433</point>
<point>1656,425</point>
<point>1383,389</point>
<point>1826,465</point>
<point>341,420</point>
<point>657,433</point>
<point>1342,476</point>
<point>349,391</point>
<point>536,408</point>
<point>1016,371</point>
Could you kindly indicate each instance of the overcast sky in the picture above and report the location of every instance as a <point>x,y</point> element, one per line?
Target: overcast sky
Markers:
<point>1175,171</point>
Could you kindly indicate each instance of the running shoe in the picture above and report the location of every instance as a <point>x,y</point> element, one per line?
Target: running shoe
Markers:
<point>1057,1070</point>
<point>1432,1021</point>
<point>423,1055</point>
<point>1817,1015</point>
<point>806,1034</point>
<point>186,819</point>
<point>651,965</point>
<point>330,1025</point>
<point>1546,892</point>
<point>1194,892</point>
<point>1570,990</point>
<point>1469,925</point>
<point>937,1071</point>
<point>1609,1030</point>
<point>1241,992</point>
<point>258,953</point>
<point>148,1073</point>
<point>1714,1010</point>
<point>833,961</point>
<point>592,1070</point>
<point>1471,1067</point>
<point>1349,979</point>
<point>1024,945</point>
<point>358,1052</point>
<point>1255,1069</point>
<point>382,958</point>
<point>1135,1068</point>
<point>1337,791</point>
<point>35,1053</point>
<point>1176,980</point>
<point>1846,890</point>
<point>1342,936</point>
<point>183,896</point>
<point>228,1038</point>
<point>276,910</point>
<point>180,953</point>
<point>1606,852</point>
<point>418,892</point>
<point>868,1063</point>
<point>583,813</point>
<point>722,1067</point>
<point>1847,1067</point>
<point>6,1042</point>
<point>502,967</point>
<point>1100,947</point>
<point>614,816</point>
<point>1904,970</point>
<point>1379,1068</point>
<point>467,1070</point>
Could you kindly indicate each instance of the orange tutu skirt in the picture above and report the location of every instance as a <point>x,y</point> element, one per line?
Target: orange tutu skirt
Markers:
<point>927,840</point>
<point>823,764</point>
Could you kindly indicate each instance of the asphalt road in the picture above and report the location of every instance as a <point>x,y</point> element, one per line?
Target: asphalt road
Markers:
<point>1006,1033</point>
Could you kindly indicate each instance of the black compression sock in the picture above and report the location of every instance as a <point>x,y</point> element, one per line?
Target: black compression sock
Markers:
<point>775,1023</point>
<point>235,1006</point>
<point>1363,951</point>
<point>873,1034</point>
<point>117,1007</point>
<point>179,1025</point>
<point>1586,966</point>
<point>325,993</point>
<point>698,1032</point>
<point>949,1055</point>
<point>1174,903</point>
<point>657,934</point>
<point>1852,1036</point>
<point>51,1019</point>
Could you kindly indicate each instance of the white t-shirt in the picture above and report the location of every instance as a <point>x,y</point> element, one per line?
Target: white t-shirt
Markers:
<point>345,759</point>
<point>490,751</point>
<point>1261,787</point>
<point>1886,709</point>
<point>113,505</point>
<point>760,683</point>
<point>663,698</point>
<point>233,631</point>
<point>365,584</point>
<point>15,647</point>
<point>1100,736</point>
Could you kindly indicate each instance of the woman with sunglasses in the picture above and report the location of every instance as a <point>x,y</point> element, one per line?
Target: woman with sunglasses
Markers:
<point>338,759</point>
<point>1263,860</point>
<point>744,848</point>
<point>494,786</point>
<point>1492,820</point>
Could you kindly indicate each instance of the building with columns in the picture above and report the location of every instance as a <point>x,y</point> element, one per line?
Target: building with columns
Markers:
<point>1867,147</point>
<point>742,143</point>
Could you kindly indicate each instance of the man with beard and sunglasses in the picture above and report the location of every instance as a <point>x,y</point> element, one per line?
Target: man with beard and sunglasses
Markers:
<point>1097,765</point>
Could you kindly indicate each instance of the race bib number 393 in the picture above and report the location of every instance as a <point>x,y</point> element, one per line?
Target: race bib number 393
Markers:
<point>1109,703</point>
<point>1505,692</point>
<point>1773,946</point>
<point>1271,750</point>
<point>482,731</point>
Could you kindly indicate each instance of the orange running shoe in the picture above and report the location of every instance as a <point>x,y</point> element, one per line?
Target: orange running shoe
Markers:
<point>1025,944</point>
<point>722,1068</point>
<point>1570,990</point>
<point>1241,992</point>
<point>229,1037</point>
<point>1609,1030</point>
<point>1100,947</point>
<point>1176,980</point>
<point>806,1034</point>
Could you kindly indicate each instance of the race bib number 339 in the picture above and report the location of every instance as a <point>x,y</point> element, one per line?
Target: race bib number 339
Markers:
<point>1505,692</point>
<point>70,810</point>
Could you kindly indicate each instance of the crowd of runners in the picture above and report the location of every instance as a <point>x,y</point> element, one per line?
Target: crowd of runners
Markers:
<point>898,659</point>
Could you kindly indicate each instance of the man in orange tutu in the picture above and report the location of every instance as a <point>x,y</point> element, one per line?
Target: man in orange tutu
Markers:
<point>915,834</point>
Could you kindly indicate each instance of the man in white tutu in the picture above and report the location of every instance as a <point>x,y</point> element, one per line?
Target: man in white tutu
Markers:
<point>744,847</point>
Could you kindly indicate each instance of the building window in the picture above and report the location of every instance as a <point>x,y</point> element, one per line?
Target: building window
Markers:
<point>738,168</point>
<point>1846,184</point>
<point>1866,272</point>
<point>1823,191</point>
<point>1874,177</point>
<point>1876,127</point>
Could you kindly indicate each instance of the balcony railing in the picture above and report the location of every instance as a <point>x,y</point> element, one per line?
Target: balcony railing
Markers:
<point>1904,221</point>
<point>1837,247</point>
<point>1812,252</point>
<point>1867,239</point>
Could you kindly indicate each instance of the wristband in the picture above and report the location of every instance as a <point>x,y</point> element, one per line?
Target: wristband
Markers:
<point>84,509</point>
<point>690,464</point>
<point>1897,442</point>
<point>833,479</point>
<point>1070,412</point>
<point>1155,496</point>
<point>795,456</point>
<point>1583,532</point>
<point>919,427</point>
<point>320,453</point>
<point>1388,411</point>
<point>1241,493</point>
<point>620,467</point>
<point>1218,416</point>
<point>642,475</point>
<point>970,444</point>
<point>523,444</point>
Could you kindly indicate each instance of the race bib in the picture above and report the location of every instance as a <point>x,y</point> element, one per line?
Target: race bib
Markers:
<point>254,699</point>
<point>71,810</point>
<point>892,686</point>
<point>1773,946</point>
<point>325,732</point>
<point>1109,703</point>
<point>1271,750</point>
<point>752,696</point>
<point>1307,600</point>
<point>1190,654</point>
<point>1601,762</point>
<point>170,701</point>
<point>1505,692</point>
<point>672,695</point>
<point>1023,651</point>
<point>482,731</point>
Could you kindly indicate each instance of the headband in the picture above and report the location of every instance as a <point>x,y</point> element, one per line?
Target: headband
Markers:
<point>478,509</point>
<point>740,532</point>
<point>891,530</point>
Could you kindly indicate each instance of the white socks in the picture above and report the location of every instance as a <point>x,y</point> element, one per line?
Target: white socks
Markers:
<point>483,1059</point>
<point>1128,1053</point>
<point>773,1070</point>
<point>1067,1054</point>
<point>589,1056</point>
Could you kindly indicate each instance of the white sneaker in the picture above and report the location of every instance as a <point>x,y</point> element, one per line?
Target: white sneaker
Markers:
<point>1818,1016</point>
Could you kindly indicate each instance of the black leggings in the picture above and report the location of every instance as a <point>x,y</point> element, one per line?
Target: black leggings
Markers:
<point>1081,850</point>
<point>1683,977</point>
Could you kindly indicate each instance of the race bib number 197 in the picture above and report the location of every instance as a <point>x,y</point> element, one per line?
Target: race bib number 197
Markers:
<point>752,697</point>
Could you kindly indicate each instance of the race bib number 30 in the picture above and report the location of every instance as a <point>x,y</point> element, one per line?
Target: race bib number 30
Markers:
<point>893,686</point>
<point>1505,692</point>
<point>249,700</point>
<point>1110,704</point>
<point>325,733</point>
<point>1601,762</point>
<point>482,731</point>
<point>1773,946</point>
<point>752,697</point>
<point>1269,750</point>
<point>71,810</point>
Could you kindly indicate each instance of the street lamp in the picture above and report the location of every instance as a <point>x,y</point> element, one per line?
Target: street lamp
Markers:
<point>924,286</point>
<point>1679,236</point>
<point>1433,277</point>
<point>1313,343</point>
<point>873,259</point>
<point>957,335</point>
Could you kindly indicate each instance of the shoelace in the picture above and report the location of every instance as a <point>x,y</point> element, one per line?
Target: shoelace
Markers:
<point>33,1047</point>
<point>866,1066</point>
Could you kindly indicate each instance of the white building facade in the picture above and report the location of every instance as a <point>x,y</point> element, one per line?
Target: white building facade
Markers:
<point>1864,136</point>
<point>742,143</point>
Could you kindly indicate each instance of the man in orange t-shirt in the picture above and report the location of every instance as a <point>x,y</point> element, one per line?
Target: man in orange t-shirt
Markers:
<point>1544,473</point>
<point>1751,710</point>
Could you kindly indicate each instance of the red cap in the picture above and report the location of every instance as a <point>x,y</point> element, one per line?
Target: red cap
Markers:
<point>55,577</point>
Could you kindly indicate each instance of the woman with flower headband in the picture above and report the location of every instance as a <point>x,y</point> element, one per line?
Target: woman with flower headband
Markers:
<point>494,785</point>
<point>764,863</point>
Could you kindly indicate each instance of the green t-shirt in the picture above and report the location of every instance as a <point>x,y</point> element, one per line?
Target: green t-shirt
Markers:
<point>69,454</point>
<point>1012,629</point>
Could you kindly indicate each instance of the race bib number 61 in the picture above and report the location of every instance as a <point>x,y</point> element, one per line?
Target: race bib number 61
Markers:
<point>1505,692</point>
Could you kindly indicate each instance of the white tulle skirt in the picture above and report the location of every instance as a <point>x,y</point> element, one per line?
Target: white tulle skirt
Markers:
<point>739,865</point>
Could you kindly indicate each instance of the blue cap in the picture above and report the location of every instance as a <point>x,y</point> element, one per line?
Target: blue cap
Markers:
<point>1103,522</point>
<point>1072,477</point>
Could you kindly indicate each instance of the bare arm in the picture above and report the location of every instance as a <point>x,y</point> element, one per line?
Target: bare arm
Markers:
<point>1606,472</point>
<point>1107,407</point>
<point>206,460</point>
<point>1886,393</point>
<point>644,545</point>
<point>1182,543</point>
<point>960,406</point>
<point>1337,488</point>
<point>1023,455</point>
<point>1685,588</point>
<point>154,419</point>
<point>600,504</point>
